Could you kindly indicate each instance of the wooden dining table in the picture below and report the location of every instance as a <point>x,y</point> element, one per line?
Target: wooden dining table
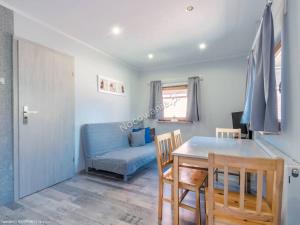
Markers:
<point>195,152</point>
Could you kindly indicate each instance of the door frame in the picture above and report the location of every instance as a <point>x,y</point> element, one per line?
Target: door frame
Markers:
<point>16,118</point>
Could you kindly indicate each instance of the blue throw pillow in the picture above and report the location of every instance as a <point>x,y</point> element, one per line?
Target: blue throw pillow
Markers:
<point>137,129</point>
<point>148,138</point>
<point>138,138</point>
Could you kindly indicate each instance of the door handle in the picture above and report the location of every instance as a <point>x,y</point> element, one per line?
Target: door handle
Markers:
<point>295,172</point>
<point>26,113</point>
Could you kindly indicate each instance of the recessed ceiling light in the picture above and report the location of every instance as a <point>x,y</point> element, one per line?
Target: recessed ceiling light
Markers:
<point>202,46</point>
<point>150,56</point>
<point>189,8</point>
<point>116,30</point>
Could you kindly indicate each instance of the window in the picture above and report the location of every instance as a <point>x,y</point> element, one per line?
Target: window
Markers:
<point>175,102</point>
<point>278,59</point>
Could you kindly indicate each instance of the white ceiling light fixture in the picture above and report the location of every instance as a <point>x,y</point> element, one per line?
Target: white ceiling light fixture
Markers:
<point>116,30</point>
<point>150,56</point>
<point>202,46</point>
<point>189,8</point>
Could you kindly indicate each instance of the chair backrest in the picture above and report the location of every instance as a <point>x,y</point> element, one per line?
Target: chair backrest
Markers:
<point>260,166</point>
<point>164,148</point>
<point>177,139</point>
<point>228,133</point>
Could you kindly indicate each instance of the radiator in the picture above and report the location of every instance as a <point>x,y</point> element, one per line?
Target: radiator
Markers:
<point>291,185</point>
<point>291,197</point>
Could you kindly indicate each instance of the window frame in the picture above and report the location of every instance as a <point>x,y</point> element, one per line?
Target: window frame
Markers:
<point>173,88</point>
<point>277,49</point>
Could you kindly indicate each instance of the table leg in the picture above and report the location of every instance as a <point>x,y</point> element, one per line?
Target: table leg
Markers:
<point>269,186</point>
<point>176,182</point>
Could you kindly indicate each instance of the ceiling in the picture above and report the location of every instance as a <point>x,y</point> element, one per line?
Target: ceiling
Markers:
<point>161,27</point>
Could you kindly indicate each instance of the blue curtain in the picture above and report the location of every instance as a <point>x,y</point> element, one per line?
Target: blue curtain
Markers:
<point>156,110</point>
<point>193,99</point>
<point>249,89</point>
<point>262,105</point>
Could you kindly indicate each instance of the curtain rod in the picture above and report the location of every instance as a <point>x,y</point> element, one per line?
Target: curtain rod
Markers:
<point>176,81</point>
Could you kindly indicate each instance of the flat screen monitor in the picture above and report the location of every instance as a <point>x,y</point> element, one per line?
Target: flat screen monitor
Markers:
<point>236,122</point>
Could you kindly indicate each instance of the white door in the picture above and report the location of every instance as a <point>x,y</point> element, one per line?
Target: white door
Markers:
<point>46,117</point>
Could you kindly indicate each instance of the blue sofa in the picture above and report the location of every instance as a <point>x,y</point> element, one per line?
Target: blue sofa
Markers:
<point>107,148</point>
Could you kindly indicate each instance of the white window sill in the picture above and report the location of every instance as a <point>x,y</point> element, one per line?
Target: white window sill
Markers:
<point>176,122</point>
<point>268,133</point>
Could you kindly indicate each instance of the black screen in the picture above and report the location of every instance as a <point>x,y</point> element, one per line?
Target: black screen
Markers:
<point>236,122</point>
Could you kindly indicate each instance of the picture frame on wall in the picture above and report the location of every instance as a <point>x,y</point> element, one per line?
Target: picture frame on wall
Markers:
<point>110,86</point>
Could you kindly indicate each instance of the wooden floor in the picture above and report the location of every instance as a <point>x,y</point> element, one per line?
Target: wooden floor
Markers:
<point>89,200</point>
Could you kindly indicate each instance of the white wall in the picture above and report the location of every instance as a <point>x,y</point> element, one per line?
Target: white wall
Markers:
<point>222,92</point>
<point>289,139</point>
<point>90,106</point>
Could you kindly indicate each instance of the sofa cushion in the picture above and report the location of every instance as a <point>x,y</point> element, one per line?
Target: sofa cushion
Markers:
<point>138,138</point>
<point>149,134</point>
<point>125,161</point>
<point>137,129</point>
<point>152,132</point>
<point>98,139</point>
<point>148,138</point>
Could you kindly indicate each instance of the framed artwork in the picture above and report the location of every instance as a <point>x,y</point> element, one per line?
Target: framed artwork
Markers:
<point>106,85</point>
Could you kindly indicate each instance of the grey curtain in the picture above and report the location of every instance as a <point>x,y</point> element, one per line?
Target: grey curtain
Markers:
<point>193,99</point>
<point>156,110</point>
<point>263,115</point>
<point>249,89</point>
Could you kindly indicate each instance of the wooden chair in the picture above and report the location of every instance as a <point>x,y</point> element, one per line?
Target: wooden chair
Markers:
<point>189,179</point>
<point>238,208</point>
<point>228,133</point>
<point>176,138</point>
<point>177,142</point>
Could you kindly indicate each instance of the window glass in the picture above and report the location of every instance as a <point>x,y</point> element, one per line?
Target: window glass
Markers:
<point>175,102</point>
<point>278,60</point>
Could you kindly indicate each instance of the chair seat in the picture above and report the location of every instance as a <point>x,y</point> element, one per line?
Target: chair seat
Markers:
<point>188,177</point>
<point>229,220</point>
<point>234,201</point>
<point>192,166</point>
